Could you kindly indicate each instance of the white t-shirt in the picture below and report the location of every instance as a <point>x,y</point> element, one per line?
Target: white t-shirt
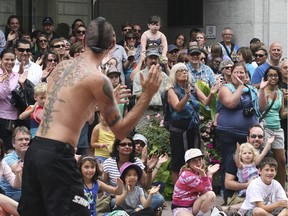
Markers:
<point>259,191</point>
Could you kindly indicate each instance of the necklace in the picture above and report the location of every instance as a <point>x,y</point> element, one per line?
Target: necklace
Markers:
<point>89,193</point>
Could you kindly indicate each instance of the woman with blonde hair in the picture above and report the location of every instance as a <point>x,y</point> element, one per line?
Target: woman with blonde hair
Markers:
<point>183,99</point>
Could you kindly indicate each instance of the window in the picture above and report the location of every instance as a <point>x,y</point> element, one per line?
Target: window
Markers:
<point>183,13</point>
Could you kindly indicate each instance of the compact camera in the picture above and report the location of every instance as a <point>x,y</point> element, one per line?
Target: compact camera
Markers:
<point>249,112</point>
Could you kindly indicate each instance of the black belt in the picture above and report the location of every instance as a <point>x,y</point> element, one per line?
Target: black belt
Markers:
<point>155,108</point>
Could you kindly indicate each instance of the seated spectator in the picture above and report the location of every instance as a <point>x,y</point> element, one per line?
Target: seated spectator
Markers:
<point>132,199</point>
<point>124,151</point>
<point>35,111</point>
<point>193,193</point>
<point>20,140</point>
<point>264,195</point>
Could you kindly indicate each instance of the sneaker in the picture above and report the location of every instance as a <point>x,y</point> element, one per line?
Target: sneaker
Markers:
<point>158,211</point>
<point>217,211</point>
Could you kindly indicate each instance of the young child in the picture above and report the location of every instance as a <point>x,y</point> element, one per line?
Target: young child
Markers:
<point>90,172</point>
<point>132,200</point>
<point>35,111</point>
<point>102,140</point>
<point>193,193</point>
<point>246,159</point>
<point>264,195</point>
<point>154,38</point>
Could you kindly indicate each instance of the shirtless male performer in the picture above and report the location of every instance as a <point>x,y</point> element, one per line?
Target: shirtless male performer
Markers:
<point>52,184</point>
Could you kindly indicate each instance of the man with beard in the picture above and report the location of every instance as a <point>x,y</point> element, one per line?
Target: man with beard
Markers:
<point>155,105</point>
<point>48,28</point>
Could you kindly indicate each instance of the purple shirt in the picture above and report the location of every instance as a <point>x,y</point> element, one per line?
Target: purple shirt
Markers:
<point>8,111</point>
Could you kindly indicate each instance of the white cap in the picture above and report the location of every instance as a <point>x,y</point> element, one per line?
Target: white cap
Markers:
<point>140,137</point>
<point>192,153</point>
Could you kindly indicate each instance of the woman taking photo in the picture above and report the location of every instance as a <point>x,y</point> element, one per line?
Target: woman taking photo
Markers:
<point>271,96</point>
<point>184,107</point>
<point>239,110</point>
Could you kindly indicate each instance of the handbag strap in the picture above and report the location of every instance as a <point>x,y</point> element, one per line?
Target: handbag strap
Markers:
<point>267,110</point>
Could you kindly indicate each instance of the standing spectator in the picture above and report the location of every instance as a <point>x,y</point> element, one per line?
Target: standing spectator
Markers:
<point>193,193</point>
<point>50,60</point>
<point>244,55</point>
<point>172,58</point>
<point>198,70</point>
<point>180,42</point>
<point>57,45</point>
<point>20,139</point>
<point>138,32</point>
<point>269,92</point>
<point>216,51</point>
<point>8,82</point>
<point>283,85</point>
<point>34,112</point>
<point>183,103</point>
<point>80,34</point>
<point>228,47</point>
<point>2,41</point>
<point>126,27</point>
<point>239,110</point>
<point>155,105</point>
<point>76,23</point>
<point>260,55</point>
<point>201,40</point>
<point>42,45</point>
<point>13,30</point>
<point>23,52</point>
<point>275,52</point>
<point>193,34</point>
<point>48,28</point>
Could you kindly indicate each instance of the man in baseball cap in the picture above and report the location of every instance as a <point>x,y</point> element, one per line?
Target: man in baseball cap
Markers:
<point>48,28</point>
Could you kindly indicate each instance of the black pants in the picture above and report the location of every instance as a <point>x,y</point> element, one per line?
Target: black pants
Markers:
<point>52,184</point>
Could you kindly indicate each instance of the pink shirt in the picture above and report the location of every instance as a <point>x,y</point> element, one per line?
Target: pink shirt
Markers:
<point>188,187</point>
<point>8,111</point>
<point>6,172</point>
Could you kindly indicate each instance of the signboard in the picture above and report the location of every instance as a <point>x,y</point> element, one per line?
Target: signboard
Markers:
<point>211,32</point>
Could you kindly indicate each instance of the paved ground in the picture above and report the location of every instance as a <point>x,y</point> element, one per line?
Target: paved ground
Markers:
<point>167,210</point>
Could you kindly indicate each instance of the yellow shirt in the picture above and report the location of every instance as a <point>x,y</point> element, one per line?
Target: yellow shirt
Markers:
<point>105,137</point>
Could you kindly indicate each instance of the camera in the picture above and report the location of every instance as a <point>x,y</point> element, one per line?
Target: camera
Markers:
<point>249,112</point>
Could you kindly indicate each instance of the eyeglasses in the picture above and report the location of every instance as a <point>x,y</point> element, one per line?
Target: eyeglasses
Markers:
<point>23,50</point>
<point>255,135</point>
<point>194,54</point>
<point>129,144</point>
<point>22,139</point>
<point>182,70</point>
<point>228,68</point>
<point>42,41</point>
<point>59,46</point>
<point>273,75</point>
<point>259,55</point>
<point>52,60</point>
<point>80,32</point>
<point>127,29</point>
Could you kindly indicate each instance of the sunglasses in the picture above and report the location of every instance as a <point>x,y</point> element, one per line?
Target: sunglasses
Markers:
<point>52,60</point>
<point>255,135</point>
<point>42,41</point>
<point>228,68</point>
<point>129,144</point>
<point>259,55</point>
<point>127,29</point>
<point>194,54</point>
<point>23,50</point>
<point>137,30</point>
<point>80,32</point>
<point>59,46</point>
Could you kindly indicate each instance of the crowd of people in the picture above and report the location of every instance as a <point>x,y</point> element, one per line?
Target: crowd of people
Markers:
<point>72,110</point>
